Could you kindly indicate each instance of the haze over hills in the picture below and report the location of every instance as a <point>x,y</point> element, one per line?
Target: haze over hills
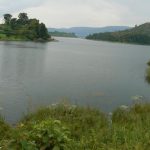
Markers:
<point>139,34</point>
<point>85,31</point>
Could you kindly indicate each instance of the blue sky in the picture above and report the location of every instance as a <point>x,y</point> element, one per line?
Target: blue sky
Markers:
<point>67,13</point>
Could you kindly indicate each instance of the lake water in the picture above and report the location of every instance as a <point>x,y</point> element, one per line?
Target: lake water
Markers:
<point>98,74</point>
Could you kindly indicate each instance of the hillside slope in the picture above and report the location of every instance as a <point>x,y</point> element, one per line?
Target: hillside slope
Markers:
<point>139,34</point>
<point>85,31</point>
<point>62,34</point>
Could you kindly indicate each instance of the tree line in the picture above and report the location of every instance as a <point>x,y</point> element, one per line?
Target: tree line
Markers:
<point>24,27</point>
<point>139,34</point>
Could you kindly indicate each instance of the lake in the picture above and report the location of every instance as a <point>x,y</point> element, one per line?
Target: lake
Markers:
<point>91,73</point>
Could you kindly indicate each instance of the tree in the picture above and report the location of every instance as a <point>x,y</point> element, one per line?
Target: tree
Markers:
<point>13,23</point>
<point>24,28</point>
<point>7,18</point>
<point>43,33</point>
<point>33,27</point>
<point>23,18</point>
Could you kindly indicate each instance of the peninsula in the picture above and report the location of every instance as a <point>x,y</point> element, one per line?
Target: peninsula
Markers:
<point>23,29</point>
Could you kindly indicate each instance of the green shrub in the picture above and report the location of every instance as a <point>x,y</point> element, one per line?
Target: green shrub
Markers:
<point>148,63</point>
<point>49,134</point>
<point>80,120</point>
<point>148,75</point>
<point>4,129</point>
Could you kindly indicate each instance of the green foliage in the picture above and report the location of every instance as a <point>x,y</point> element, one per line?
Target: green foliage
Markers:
<point>13,23</point>
<point>139,34</point>
<point>147,77</point>
<point>65,127</point>
<point>148,63</point>
<point>23,28</point>
<point>62,34</point>
<point>130,129</point>
<point>43,31</point>
<point>4,129</point>
<point>80,120</point>
<point>23,18</point>
<point>148,74</point>
<point>49,134</point>
<point>7,18</point>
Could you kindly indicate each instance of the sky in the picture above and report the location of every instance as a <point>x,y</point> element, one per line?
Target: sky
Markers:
<point>71,13</point>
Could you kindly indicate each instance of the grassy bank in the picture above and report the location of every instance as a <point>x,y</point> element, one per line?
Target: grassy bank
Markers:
<point>3,37</point>
<point>65,127</point>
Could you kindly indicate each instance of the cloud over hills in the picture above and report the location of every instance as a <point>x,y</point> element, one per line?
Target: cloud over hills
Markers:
<point>66,13</point>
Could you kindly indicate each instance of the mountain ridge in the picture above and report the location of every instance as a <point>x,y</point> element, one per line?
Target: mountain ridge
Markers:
<point>85,31</point>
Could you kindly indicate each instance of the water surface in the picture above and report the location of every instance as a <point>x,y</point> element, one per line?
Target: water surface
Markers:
<point>99,74</point>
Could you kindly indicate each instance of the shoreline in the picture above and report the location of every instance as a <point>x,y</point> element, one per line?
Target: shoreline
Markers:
<point>23,40</point>
<point>73,127</point>
<point>127,43</point>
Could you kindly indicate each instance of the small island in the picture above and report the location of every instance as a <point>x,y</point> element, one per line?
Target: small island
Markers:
<point>137,35</point>
<point>23,29</point>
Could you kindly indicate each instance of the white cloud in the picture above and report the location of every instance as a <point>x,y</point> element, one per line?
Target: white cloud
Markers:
<point>78,13</point>
<point>64,13</point>
<point>11,6</point>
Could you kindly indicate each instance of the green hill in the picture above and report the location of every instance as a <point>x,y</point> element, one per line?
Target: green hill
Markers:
<point>139,35</point>
<point>85,31</point>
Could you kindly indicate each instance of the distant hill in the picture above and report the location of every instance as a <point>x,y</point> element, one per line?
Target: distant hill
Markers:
<point>62,34</point>
<point>85,31</point>
<point>139,34</point>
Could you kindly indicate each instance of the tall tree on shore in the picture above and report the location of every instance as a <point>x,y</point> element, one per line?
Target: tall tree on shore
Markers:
<point>23,18</point>
<point>13,23</point>
<point>43,33</point>
<point>7,18</point>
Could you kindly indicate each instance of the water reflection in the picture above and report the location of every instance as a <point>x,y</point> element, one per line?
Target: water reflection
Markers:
<point>98,74</point>
<point>18,64</point>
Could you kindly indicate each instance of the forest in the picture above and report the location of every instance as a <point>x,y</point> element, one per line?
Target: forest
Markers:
<point>138,35</point>
<point>23,28</point>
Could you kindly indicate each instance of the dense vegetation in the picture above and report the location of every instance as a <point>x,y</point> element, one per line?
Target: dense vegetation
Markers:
<point>138,34</point>
<point>148,72</point>
<point>65,127</point>
<point>85,31</point>
<point>23,28</point>
<point>62,34</point>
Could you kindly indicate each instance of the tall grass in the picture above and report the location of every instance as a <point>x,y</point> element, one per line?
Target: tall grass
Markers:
<point>67,127</point>
<point>4,129</point>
